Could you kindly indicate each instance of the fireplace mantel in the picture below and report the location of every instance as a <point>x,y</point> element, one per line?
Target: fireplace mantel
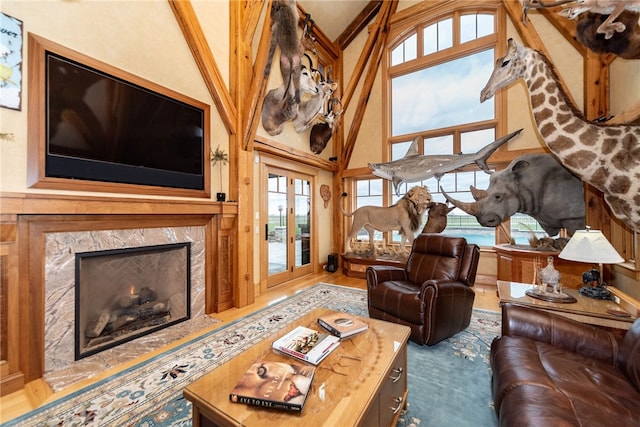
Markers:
<point>36,203</point>
<point>25,220</point>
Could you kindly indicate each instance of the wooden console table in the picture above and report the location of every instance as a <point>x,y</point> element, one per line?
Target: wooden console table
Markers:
<point>585,310</point>
<point>517,263</point>
<point>364,379</point>
<point>356,266</point>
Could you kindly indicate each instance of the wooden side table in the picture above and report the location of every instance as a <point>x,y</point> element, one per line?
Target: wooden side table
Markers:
<point>585,310</point>
<point>518,263</point>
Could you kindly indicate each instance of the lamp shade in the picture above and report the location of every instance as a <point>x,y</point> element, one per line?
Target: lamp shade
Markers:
<point>590,246</point>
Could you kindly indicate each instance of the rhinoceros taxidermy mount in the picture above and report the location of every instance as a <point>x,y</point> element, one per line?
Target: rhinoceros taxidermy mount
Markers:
<point>533,184</point>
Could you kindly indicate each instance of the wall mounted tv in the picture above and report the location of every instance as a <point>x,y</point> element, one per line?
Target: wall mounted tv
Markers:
<point>103,129</point>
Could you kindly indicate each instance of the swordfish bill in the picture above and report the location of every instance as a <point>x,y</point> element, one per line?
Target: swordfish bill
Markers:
<point>414,167</point>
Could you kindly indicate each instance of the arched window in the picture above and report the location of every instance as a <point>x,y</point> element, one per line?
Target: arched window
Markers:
<point>435,74</point>
<point>437,64</point>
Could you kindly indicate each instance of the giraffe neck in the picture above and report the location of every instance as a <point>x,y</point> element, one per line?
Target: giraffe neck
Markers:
<point>576,142</point>
<point>608,157</point>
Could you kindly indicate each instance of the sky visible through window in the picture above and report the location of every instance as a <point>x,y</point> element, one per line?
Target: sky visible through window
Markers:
<point>448,95</point>
<point>441,95</point>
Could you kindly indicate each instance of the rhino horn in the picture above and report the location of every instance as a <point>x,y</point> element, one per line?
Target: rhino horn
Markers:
<point>478,193</point>
<point>470,208</point>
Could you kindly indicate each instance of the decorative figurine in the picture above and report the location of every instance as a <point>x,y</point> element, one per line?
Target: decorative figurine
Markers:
<point>549,276</point>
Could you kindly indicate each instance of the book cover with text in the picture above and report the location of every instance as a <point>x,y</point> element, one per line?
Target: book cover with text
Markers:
<point>275,385</point>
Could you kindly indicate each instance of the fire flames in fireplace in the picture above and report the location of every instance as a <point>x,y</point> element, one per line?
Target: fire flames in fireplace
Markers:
<point>110,310</point>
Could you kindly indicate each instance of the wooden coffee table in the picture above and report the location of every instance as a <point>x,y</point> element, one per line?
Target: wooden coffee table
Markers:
<point>364,379</point>
<point>585,310</point>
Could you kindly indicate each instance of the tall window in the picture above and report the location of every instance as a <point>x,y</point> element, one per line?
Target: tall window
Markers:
<point>435,73</point>
<point>369,193</point>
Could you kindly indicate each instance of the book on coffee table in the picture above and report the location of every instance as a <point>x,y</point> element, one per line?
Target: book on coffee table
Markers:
<point>307,344</point>
<point>275,385</point>
<point>342,325</point>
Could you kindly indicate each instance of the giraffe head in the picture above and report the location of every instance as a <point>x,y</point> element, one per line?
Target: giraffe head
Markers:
<point>507,69</point>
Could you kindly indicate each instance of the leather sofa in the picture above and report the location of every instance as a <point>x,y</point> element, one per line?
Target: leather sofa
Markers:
<point>432,294</point>
<point>549,370</point>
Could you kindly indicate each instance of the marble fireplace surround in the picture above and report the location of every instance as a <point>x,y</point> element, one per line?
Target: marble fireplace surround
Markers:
<point>61,368</point>
<point>48,230</point>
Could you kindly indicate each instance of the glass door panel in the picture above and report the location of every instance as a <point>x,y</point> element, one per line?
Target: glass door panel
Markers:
<point>288,231</point>
<point>277,234</point>
<point>302,221</point>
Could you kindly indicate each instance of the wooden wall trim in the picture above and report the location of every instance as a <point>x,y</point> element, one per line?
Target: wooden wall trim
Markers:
<point>287,152</point>
<point>193,34</point>
<point>32,203</point>
<point>28,287</point>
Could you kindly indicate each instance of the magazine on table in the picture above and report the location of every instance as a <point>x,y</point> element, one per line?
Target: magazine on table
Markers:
<point>342,325</point>
<point>307,344</point>
<point>275,385</point>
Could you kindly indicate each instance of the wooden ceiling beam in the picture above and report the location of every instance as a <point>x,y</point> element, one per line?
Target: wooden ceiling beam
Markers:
<point>383,17</point>
<point>566,27</point>
<point>253,9</point>
<point>193,34</point>
<point>358,24</point>
<point>258,85</point>
<point>382,30</point>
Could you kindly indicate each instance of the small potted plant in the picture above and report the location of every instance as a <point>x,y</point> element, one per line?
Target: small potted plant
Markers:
<point>219,156</point>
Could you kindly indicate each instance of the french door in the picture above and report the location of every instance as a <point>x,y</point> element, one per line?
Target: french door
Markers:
<point>287,214</point>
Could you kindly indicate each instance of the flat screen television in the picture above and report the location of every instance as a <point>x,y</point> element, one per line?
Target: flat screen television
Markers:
<point>104,126</point>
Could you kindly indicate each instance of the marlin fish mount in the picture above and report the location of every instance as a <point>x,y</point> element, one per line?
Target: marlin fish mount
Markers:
<point>414,167</point>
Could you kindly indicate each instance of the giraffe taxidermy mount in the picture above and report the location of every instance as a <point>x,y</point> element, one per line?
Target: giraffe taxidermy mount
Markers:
<point>605,156</point>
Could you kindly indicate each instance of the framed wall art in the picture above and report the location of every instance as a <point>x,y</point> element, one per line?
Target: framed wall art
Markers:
<point>10,62</point>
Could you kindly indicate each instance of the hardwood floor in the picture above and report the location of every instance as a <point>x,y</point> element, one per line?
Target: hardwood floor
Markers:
<point>38,392</point>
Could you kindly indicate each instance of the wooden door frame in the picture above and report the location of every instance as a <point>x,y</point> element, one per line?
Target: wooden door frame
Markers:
<point>267,162</point>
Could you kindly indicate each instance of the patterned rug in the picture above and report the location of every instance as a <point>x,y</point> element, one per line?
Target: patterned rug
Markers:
<point>150,394</point>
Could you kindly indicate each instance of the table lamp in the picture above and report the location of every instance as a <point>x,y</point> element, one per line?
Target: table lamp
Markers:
<point>591,246</point>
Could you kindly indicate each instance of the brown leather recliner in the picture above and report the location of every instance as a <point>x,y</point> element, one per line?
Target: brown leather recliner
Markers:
<point>432,294</point>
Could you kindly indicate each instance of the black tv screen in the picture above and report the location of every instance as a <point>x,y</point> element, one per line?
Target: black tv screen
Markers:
<point>102,128</point>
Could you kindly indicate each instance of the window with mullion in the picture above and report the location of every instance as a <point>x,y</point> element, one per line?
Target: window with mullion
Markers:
<point>437,96</point>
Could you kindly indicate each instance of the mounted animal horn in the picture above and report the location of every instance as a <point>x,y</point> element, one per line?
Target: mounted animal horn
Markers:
<point>470,208</point>
<point>329,72</point>
<point>477,193</point>
<point>307,40</point>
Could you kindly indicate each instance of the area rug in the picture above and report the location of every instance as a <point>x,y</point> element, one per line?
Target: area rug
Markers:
<point>450,382</point>
<point>150,394</point>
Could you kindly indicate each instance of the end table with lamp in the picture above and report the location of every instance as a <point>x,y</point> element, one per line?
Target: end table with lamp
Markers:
<point>591,246</point>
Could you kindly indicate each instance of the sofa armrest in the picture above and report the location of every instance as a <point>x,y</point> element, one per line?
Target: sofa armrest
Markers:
<point>561,332</point>
<point>445,287</point>
<point>377,274</point>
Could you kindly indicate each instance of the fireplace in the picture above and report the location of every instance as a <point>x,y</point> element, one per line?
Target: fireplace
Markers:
<point>123,294</point>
